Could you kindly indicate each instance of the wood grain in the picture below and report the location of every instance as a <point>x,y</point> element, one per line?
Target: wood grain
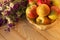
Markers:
<point>2,38</point>
<point>26,31</point>
<point>11,35</point>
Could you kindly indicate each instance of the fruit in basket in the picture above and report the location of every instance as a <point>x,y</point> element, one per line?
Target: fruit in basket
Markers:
<point>56,9</point>
<point>31,11</point>
<point>43,10</point>
<point>56,3</point>
<point>39,2</point>
<point>53,15</point>
<point>48,2</point>
<point>43,20</point>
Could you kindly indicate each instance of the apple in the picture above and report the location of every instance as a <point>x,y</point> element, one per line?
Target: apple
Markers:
<point>31,12</point>
<point>43,20</point>
<point>31,2</point>
<point>39,2</point>
<point>56,3</point>
<point>56,9</point>
<point>53,16</point>
<point>43,10</point>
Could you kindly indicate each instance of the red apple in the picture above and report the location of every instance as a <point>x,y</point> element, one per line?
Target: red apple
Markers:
<point>56,9</point>
<point>39,2</point>
<point>43,2</point>
<point>47,2</point>
<point>31,12</point>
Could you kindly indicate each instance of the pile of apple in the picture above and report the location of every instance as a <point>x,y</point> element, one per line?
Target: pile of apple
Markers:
<point>42,11</point>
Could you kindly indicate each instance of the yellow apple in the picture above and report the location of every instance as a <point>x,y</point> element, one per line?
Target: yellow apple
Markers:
<point>56,3</point>
<point>53,16</point>
<point>43,20</point>
<point>43,10</point>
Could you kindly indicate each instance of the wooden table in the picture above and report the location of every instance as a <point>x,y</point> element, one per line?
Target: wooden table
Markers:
<point>25,31</point>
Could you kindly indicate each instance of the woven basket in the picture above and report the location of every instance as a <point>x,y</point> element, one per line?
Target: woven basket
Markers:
<point>43,27</point>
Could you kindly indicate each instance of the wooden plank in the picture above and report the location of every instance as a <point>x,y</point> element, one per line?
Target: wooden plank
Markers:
<point>47,35</point>
<point>11,35</point>
<point>30,34</point>
<point>54,31</point>
<point>55,34</point>
<point>2,38</point>
<point>44,33</point>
